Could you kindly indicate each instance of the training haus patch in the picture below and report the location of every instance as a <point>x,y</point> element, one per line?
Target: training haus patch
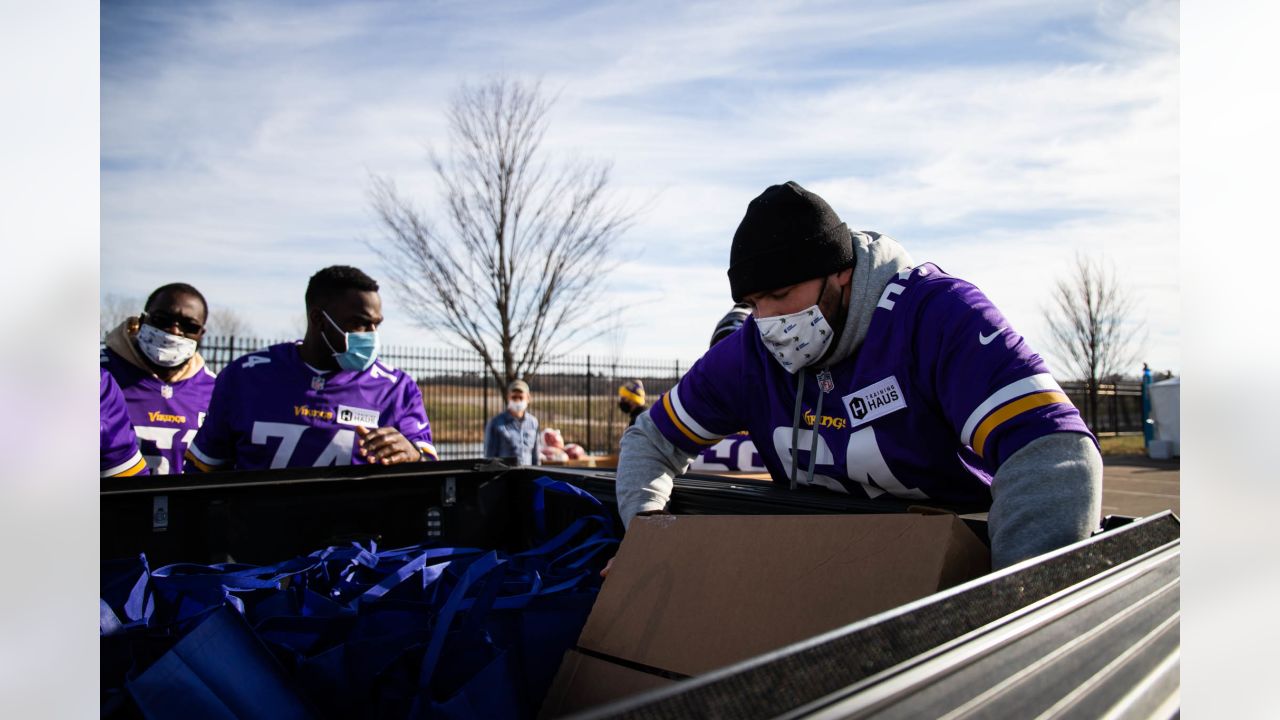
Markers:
<point>357,416</point>
<point>873,401</point>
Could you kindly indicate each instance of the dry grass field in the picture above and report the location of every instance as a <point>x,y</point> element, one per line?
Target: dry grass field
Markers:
<point>458,414</point>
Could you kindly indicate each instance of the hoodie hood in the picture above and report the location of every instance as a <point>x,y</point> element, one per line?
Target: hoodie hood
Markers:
<point>121,341</point>
<point>877,259</point>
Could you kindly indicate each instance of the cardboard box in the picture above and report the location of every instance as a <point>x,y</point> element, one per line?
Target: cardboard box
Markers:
<point>689,594</point>
<point>584,681</point>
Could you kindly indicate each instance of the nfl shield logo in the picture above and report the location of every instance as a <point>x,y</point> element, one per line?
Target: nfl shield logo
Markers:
<point>166,391</point>
<point>825,382</point>
<point>317,383</point>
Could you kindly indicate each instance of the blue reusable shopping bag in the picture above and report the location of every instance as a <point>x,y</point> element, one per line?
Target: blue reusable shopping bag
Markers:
<point>219,671</point>
<point>362,632</point>
<point>477,681</point>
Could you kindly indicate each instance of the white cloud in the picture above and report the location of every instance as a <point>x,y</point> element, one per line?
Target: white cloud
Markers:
<point>237,154</point>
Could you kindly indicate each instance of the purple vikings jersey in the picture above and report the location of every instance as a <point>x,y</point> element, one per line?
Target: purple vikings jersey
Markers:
<point>118,452</point>
<point>734,453</point>
<point>938,395</point>
<point>271,410</point>
<point>165,416</point>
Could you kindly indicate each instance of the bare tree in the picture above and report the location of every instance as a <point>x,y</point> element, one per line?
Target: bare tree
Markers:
<point>226,322</point>
<point>1091,325</point>
<point>515,269</point>
<point>114,309</point>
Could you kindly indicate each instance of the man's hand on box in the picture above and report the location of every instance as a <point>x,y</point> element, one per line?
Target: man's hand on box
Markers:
<point>386,446</point>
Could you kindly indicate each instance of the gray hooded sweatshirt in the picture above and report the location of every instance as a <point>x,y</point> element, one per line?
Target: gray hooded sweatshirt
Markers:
<point>1046,495</point>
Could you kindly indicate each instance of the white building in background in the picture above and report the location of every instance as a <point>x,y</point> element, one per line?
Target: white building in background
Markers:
<point>1165,400</point>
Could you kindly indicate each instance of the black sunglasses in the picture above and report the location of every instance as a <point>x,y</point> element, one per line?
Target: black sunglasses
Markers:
<point>164,320</point>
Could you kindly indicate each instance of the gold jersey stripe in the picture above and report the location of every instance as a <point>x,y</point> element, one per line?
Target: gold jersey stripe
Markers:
<point>1013,409</point>
<point>671,413</point>
<point>200,464</point>
<point>137,468</point>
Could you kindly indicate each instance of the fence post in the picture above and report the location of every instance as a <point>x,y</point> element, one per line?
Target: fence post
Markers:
<point>590,447</point>
<point>1115,408</point>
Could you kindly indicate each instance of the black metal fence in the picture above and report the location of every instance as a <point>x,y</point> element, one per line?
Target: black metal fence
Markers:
<point>1119,406</point>
<point>575,395</point>
<point>578,395</point>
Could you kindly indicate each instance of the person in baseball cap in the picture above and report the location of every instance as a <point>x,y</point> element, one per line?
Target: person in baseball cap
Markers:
<point>513,433</point>
<point>863,372</point>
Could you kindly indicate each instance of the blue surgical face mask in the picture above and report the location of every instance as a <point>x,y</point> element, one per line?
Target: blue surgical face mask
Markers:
<point>362,348</point>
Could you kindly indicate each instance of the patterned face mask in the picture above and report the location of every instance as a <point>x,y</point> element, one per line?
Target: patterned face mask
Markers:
<point>799,339</point>
<point>164,349</point>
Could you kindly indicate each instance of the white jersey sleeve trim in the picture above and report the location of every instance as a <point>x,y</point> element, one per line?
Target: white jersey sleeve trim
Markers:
<point>202,457</point>
<point>687,419</point>
<point>133,460</point>
<point>1018,388</point>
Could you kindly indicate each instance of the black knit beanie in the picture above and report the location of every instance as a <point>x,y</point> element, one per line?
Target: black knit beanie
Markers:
<point>788,235</point>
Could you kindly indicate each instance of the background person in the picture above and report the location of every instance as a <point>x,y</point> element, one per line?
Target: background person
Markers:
<point>154,359</point>
<point>326,400</point>
<point>917,386</point>
<point>514,431</point>
<point>731,321</point>
<point>118,453</point>
<point>736,452</point>
<point>631,399</point>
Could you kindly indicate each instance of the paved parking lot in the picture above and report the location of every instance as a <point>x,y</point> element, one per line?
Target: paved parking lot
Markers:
<point>1136,485</point>
<point>1132,485</point>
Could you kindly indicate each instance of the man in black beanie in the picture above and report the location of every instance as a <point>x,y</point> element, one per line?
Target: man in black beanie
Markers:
<point>865,373</point>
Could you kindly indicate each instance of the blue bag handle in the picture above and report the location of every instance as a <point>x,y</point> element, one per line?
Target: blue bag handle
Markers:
<point>183,577</point>
<point>588,550</point>
<point>519,602</point>
<point>430,571</point>
<point>141,603</point>
<point>544,484</point>
<point>553,545</point>
<point>478,570</point>
<point>108,623</point>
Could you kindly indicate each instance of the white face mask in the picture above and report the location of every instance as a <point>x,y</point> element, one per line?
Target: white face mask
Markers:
<point>798,339</point>
<point>517,406</point>
<point>164,349</point>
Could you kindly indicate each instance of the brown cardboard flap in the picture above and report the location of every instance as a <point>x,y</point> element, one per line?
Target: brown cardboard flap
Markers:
<point>689,594</point>
<point>584,681</point>
<point>967,557</point>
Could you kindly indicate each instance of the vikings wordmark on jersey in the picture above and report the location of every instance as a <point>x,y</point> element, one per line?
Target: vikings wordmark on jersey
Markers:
<point>932,374</point>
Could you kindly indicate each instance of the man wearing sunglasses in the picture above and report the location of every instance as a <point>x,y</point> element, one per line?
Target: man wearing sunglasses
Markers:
<point>154,359</point>
<point>324,400</point>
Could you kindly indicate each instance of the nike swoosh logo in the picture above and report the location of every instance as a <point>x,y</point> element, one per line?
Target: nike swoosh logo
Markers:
<point>986,339</point>
<point>422,425</point>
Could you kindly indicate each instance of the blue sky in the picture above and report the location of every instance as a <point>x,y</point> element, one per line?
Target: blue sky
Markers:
<point>994,138</point>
